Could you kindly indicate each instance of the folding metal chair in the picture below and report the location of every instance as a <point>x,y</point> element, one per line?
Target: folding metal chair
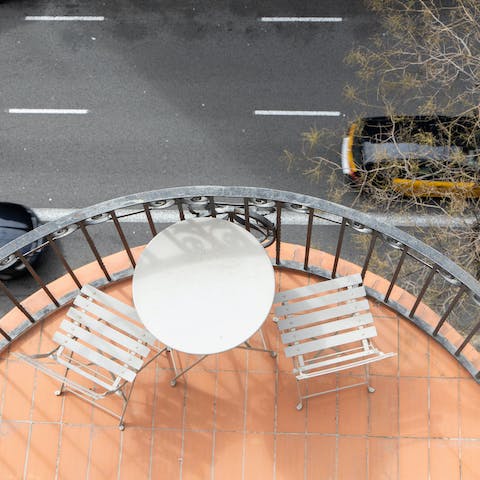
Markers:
<point>100,342</point>
<point>326,328</point>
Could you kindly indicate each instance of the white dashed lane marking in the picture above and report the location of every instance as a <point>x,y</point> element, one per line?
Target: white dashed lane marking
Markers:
<point>64,18</point>
<point>49,111</point>
<point>298,113</point>
<point>302,19</point>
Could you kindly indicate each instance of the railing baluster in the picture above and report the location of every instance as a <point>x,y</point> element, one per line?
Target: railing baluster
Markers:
<point>396,273</point>
<point>278,227</point>
<point>181,213</point>
<point>62,259</point>
<point>339,246</point>
<point>454,302</point>
<point>120,232</point>
<point>467,339</point>
<point>12,298</point>
<point>373,239</point>
<point>211,205</point>
<point>246,206</point>
<point>94,250</point>
<point>5,335</point>
<point>36,277</point>
<point>148,213</point>
<point>309,237</point>
<point>423,290</point>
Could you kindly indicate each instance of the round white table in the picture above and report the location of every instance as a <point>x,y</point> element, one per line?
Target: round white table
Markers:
<point>203,286</point>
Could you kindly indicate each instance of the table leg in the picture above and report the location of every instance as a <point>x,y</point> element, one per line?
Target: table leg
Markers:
<point>173,381</point>
<point>247,346</point>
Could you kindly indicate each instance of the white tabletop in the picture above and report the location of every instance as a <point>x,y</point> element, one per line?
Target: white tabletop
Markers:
<point>203,286</point>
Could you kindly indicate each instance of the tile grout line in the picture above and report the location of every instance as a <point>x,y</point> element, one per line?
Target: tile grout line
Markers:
<point>90,441</point>
<point>245,400</point>
<point>4,388</point>
<point>369,418</point>
<point>459,426</point>
<point>428,407</point>
<point>152,440</point>
<point>120,455</point>
<point>398,392</point>
<point>32,406</point>
<point>29,439</point>
<point>60,433</point>
<point>307,411</point>
<point>184,416</point>
<point>214,424</point>
<point>275,412</point>
<point>337,427</point>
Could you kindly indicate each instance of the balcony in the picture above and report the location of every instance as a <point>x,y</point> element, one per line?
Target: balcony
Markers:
<point>234,415</point>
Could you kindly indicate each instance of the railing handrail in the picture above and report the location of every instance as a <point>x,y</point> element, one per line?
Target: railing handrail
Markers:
<point>325,206</point>
<point>262,211</point>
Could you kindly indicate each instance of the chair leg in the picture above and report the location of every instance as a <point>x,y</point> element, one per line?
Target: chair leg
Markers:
<point>62,385</point>
<point>367,380</point>
<point>299,390</point>
<point>126,399</point>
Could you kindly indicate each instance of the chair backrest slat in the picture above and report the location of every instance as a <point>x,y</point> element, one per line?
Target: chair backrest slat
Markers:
<point>115,320</point>
<point>321,301</point>
<point>99,343</point>
<point>111,302</point>
<point>319,287</point>
<point>329,342</point>
<point>296,321</point>
<point>95,357</point>
<point>334,327</point>
<point>108,332</point>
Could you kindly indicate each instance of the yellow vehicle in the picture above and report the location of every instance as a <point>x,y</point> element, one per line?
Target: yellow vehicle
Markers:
<point>415,155</point>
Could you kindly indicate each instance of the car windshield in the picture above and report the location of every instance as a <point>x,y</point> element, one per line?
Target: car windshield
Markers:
<point>379,152</point>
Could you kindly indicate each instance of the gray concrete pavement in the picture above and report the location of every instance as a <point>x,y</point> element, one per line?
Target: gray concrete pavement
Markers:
<point>171,88</point>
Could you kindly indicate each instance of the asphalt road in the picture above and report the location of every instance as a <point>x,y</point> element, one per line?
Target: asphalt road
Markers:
<point>171,88</point>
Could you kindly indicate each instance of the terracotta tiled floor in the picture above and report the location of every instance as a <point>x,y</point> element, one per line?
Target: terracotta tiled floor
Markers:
<point>234,417</point>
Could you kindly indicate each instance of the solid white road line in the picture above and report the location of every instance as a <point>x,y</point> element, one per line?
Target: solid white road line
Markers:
<point>64,18</point>
<point>299,113</point>
<point>50,111</point>
<point>302,19</point>
<point>288,218</point>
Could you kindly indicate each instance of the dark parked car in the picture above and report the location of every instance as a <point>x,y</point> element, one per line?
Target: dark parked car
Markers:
<point>415,155</point>
<point>15,220</point>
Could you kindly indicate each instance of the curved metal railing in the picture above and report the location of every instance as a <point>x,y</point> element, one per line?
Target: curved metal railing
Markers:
<point>408,274</point>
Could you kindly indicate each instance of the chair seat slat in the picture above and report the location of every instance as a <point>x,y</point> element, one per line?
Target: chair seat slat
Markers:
<point>108,332</point>
<point>322,301</point>
<point>319,287</point>
<point>329,342</point>
<point>355,321</point>
<point>316,373</point>
<point>99,343</point>
<point>94,357</point>
<point>75,368</point>
<point>295,321</point>
<point>61,378</point>
<point>326,360</point>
